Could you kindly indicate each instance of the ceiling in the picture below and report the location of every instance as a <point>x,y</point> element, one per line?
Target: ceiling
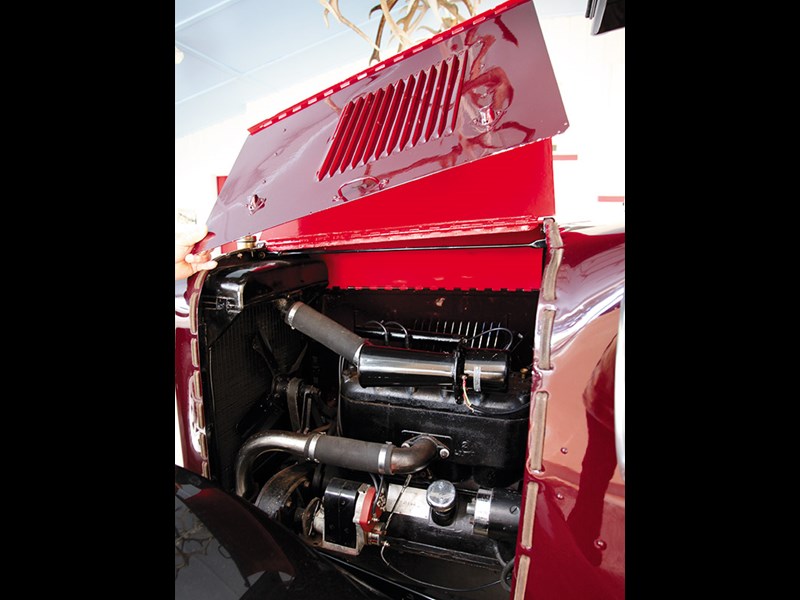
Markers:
<point>239,51</point>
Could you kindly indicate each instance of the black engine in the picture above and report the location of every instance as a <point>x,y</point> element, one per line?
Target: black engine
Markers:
<point>391,419</point>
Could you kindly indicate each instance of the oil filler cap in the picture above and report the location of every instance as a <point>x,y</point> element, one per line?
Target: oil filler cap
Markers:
<point>441,497</point>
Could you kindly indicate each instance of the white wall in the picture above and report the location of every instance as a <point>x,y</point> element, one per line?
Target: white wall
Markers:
<point>590,71</point>
<point>591,74</point>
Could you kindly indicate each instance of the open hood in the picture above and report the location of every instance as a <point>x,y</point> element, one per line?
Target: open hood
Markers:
<point>413,147</point>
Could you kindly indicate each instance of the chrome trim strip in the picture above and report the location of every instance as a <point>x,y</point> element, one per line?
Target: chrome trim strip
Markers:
<point>195,347</point>
<point>203,446</point>
<point>555,244</point>
<point>550,274</point>
<point>193,300</point>
<point>619,391</point>
<point>538,416</point>
<point>522,577</point>
<point>199,414</point>
<point>195,386</point>
<point>547,318</point>
<point>526,539</point>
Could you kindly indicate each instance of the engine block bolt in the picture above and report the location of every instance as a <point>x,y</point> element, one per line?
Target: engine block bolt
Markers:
<point>444,453</point>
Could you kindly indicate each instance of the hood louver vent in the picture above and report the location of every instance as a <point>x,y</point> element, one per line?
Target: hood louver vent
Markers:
<point>422,107</point>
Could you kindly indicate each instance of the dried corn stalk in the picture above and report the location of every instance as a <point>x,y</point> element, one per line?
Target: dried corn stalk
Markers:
<point>406,21</point>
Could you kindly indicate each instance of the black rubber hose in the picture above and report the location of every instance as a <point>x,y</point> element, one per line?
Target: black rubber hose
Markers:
<point>353,454</point>
<point>357,455</point>
<point>326,331</point>
<point>372,456</point>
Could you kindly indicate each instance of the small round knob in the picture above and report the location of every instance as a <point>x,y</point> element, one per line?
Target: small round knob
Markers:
<point>442,498</point>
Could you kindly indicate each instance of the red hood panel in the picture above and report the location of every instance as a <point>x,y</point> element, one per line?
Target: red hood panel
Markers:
<point>402,129</point>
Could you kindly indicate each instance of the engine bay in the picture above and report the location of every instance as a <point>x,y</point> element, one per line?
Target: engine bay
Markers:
<point>382,426</point>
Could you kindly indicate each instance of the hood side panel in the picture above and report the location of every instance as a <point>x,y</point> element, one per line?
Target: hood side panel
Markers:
<point>474,93</point>
<point>508,192</point>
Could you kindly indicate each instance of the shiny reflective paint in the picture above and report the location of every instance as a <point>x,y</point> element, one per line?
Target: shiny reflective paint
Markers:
<point>578,534</point>
<point>226,549</point>
<point>506,71</point>
<point>577,537</point>
<point>188,387</point>
<point>482,268</point>
<point>462,201</point>
<point>475,224</point>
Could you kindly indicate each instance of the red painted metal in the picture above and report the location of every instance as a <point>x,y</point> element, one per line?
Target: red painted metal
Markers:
<point>578,548</point>
<point>187,413</point>
<point>508,192</point>
<point>500,8</point>
<point>454,201</point>
<point>505,97</point>
<point>220,182</point>
<point>188,386</point>
<point>460,269</point>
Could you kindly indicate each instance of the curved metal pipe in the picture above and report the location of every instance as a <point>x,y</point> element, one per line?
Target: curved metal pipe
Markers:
<point>255,446</point>
<point>358,455</point>
<point>414,457</point>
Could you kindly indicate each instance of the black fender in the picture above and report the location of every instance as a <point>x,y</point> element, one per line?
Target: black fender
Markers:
<point>226,548</point>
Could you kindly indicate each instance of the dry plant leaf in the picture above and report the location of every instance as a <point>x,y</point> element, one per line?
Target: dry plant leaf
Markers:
<point>407,28</point>
<point>332,6</point>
